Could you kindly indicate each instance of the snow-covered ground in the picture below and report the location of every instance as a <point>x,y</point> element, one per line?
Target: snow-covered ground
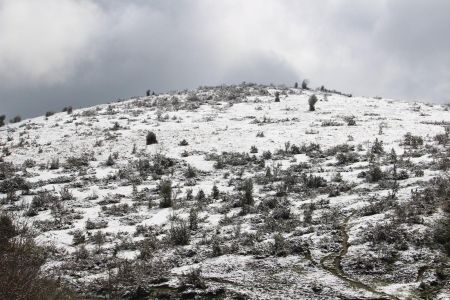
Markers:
<point>308,234</point>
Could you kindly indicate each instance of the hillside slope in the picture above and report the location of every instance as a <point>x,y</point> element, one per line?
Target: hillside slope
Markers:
<point>241,196</point>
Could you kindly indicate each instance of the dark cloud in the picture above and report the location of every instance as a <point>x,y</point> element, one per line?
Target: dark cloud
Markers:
<point>55,53</point>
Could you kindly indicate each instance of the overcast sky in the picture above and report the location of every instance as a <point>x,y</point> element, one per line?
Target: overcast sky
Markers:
<point>55,53</point>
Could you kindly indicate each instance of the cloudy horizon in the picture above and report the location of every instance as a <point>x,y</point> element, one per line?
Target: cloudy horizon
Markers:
<point>55,53</point>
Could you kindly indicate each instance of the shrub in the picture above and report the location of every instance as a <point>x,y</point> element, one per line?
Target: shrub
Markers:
<point>253,149</point>
<point>110,161</point>
<point>6,170</point>
<point>16,119</point>
<point>347,158</point>
<point>65,194</point>
<point>49,114</point>
<point>14,184</point>
<point>413,141</point>
<point>312,102</point>
<point>267,154</point>
<point>305,83</point>
<point>54,164</point>
<point>200,197</point>
<point>78,162</point>
<point>78,237</point>
<point>42,201</point>
<point>21,262</point>
<point>165,191</point>
<point>68,109</point>
<point>193,279</point>
<point>151,138</point>
<point>191,172</point>
<point>377,147</point>
<point>247,196</point>
<point>350,121</point>
<point>183,143</point>
<point>442,234</point>
<point>215,192</point>
<point>374,174</point>
<point>419,173</point>
<point>280,246</point>
<point>314,182</point>
<point>179,233</point>
<point>193,219</point>
<point>443,164</point>
<point>277,97</point>
<point>189,196</point>
<point>95,224</point>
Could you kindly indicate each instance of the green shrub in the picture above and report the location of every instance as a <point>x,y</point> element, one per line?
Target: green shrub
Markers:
<point>151,138</point>
<point>165,191</point>
<point>312,102</point>
<point>179,233</point>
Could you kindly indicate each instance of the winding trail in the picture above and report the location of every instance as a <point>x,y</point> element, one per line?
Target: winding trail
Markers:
<point>332,263</point>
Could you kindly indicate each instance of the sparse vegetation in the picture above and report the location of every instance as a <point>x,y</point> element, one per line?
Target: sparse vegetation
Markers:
<point>151,138</point>
<point>312,102</point>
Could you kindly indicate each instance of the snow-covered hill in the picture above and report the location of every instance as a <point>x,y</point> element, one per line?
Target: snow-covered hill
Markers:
<point>241,196</point>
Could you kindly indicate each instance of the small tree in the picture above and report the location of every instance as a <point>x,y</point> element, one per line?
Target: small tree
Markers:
<point>312,102</point>
<point>277,97</point>
<point>193,219</point>
<point>296,85</point>
<point>151,138</point>
<point>2,120</point>
<point>305,83</point>
<point>377,147</point>
<point>215,192</point>
<point>200,197</point>
<point>110,161</point>
<point>165,193</point>
<point>247,197</point>
<point>16,119</point>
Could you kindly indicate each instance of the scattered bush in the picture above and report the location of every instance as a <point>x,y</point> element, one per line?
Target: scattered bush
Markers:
<point>374,174</point>
<point>247,196</point>
<point>21,262</point>
<point>193,219</point>
<point>179,233</point>
<point>49,114</point>
<point>267,154</point>
<point>312,102</point>
<point>165,191</point>
<point>191,172</point>
<point>78,237</point>
<point>151,138</point>
<point>110,161</point>
<point>347,158</point>
<point>305,83</point>
<point>54,164</point>
<point>377,147</point>
<point>215,192</point>
<point>193,279</point>
<point>16,119</point>
<point>68,109</point>
<point>277,97</point>
<point>413,141</point>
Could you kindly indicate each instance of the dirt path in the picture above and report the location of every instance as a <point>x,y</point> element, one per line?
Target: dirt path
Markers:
<point>332,263</point>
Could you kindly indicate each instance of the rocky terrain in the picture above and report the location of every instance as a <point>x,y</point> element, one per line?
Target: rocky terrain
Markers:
<point>237,192</point>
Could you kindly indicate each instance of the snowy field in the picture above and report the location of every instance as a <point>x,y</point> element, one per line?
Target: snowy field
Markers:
<point>241,197</point>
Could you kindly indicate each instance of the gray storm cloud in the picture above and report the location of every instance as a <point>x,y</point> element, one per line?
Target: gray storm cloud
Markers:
<point>80,52</point>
